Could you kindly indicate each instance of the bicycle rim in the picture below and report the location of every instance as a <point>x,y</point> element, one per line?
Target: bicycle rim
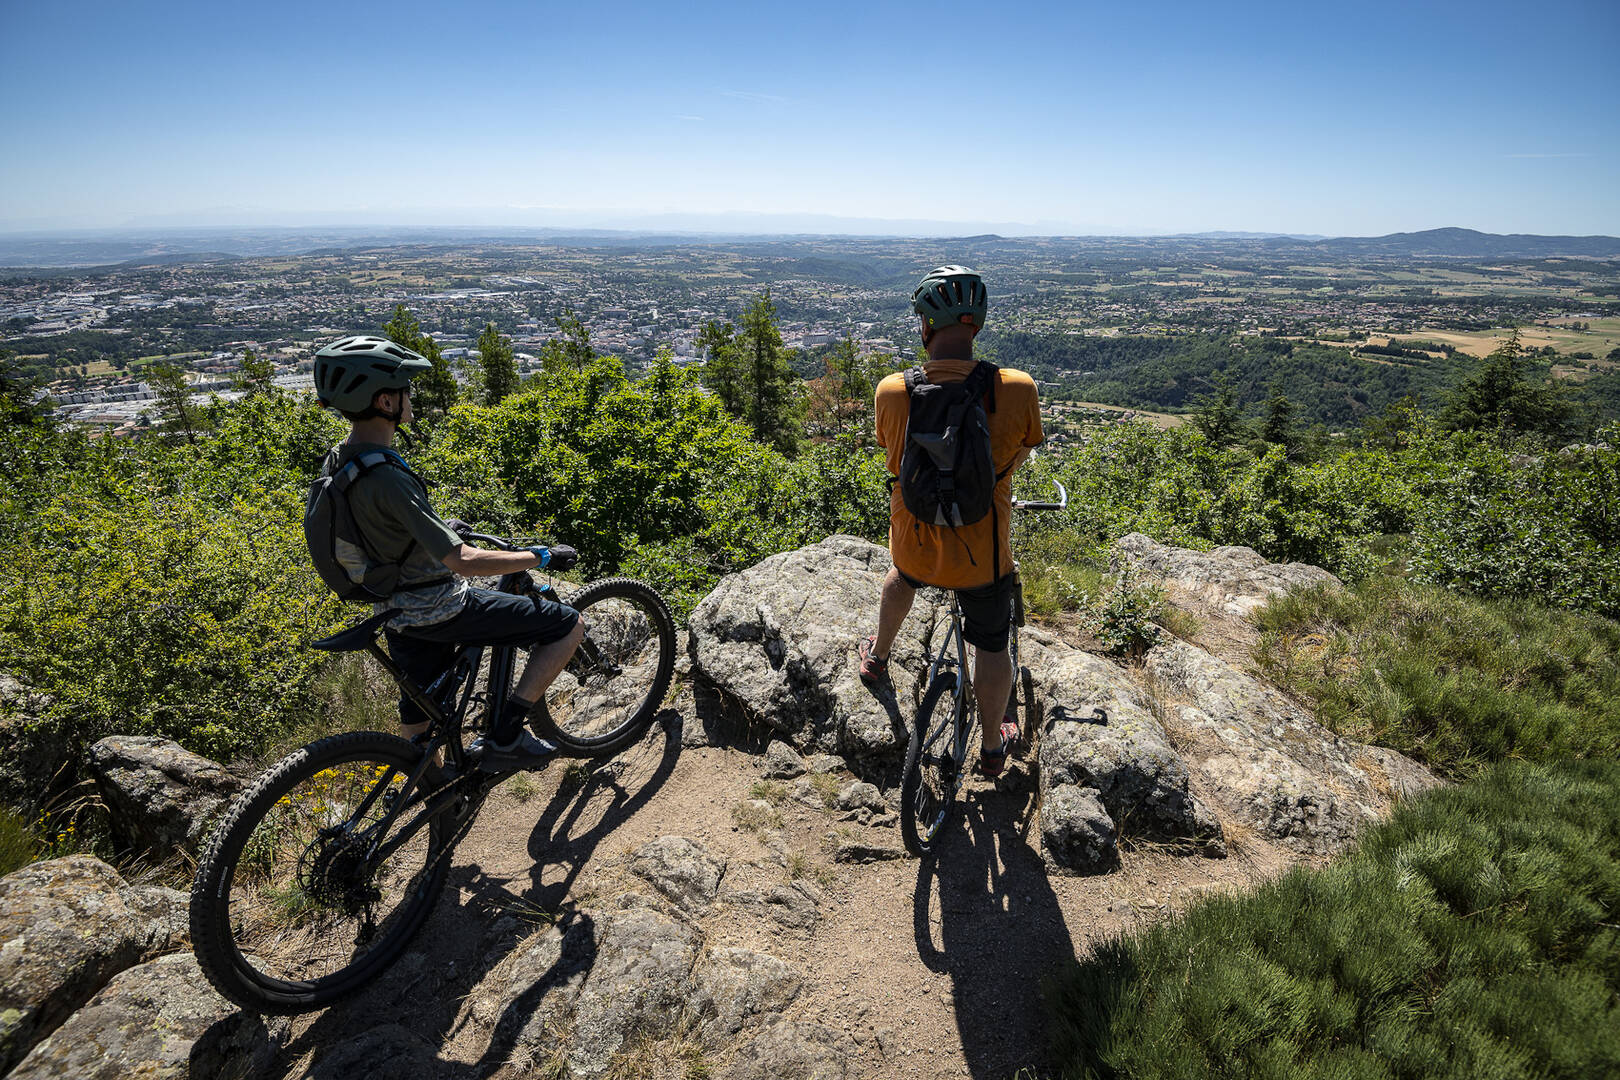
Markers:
<point>287,912</point>
<point>617,679</point>
<point>932,774</point>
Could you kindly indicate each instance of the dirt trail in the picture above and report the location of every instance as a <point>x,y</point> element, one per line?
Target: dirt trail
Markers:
<point>931,969</point>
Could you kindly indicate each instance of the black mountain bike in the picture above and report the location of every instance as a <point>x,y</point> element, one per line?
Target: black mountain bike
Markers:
<point>947,721</point>
<point>320,874</point>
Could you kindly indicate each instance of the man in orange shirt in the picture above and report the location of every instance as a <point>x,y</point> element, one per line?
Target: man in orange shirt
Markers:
<point>974,559</point>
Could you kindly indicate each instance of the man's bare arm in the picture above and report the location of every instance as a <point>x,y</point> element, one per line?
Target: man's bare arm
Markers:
<point>477,562</point>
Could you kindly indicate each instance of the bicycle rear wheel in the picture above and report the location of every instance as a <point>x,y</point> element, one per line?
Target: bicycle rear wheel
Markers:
<point>932,772</point>
<point>288,911</point>
<point>617,679</point>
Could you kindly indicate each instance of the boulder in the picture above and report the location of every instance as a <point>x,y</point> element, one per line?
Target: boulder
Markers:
<point>1076,831</point>
<point>782,762</point>
<point>686,874</point>
<point>160,1019</point>
<point>527,998</point>
<point>383,1053</point>
<point>857,795</point>
<point>792,907</point>
<point>789,1050</point>
<point>1127,767</point>
<point>638,985</point>
<point>780,638</point>
<point>163,799</point>
<point>66,930</point>
<point>1232,581</point>
<point>736,988</point>
<point>1268,762</point>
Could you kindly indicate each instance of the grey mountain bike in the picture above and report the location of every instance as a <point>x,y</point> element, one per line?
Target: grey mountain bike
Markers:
<point>947,722</point>
<point>320,874</point>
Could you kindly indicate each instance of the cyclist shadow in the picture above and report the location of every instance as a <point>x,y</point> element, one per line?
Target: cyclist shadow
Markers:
<point>984,913</point>
<point>464,942</point>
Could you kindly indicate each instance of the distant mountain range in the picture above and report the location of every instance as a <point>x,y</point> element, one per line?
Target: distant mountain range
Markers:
<point>39,250</point>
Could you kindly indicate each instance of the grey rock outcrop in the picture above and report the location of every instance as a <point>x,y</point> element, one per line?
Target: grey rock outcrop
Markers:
<point>160,1019</point>
<point>686,874</point>
<point>66,930</point>
<point>1127,768</point>
<point>792,907</point>
<point>1268,762</point>
<point>737,988</point>
<point>1232,581</point>
<point>788,1050</point>
<point>35,753</point>
<point>388,1052</point>
<point>163,798</point>
<point>780,638</point>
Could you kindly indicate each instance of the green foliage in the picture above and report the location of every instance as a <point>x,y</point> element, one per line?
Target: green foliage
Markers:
<point>1122,617</point>
<point>17,842</point>
<point>435,390</point>
<point>772,404</point>
<point>1217,418</point>
<point>571,349</point>
<point>168,381</point>
<point>1500,396</point>
<point>256,376</point>
<point>1542,525</point>
<point>497,364</point>
<point>1472,935</point>
<point>1453,680</point>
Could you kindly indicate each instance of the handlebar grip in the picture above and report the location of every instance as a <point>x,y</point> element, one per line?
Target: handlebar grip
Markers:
<point>1039,506</point>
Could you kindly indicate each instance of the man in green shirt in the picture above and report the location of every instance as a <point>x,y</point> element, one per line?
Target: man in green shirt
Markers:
<point>368,380</point>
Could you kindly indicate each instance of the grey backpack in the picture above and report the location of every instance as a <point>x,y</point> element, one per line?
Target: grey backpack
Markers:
<point>342,557</point>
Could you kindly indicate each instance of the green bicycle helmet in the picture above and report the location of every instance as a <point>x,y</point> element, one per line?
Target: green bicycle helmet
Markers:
<point>350,371</point>
<point>948,295</point>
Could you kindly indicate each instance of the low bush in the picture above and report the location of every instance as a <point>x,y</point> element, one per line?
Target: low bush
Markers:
<point>1453,680</point>
<point>1472,935</point>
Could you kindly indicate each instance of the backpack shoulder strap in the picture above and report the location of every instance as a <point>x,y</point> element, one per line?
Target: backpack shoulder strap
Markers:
<point>982,381</point>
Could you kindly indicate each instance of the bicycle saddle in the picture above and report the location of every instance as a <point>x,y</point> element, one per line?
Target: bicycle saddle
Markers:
<point>355,637</point>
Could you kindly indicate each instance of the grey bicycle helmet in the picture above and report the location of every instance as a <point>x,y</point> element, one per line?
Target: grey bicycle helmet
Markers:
<point>350,371</point>
<point>948,295</point>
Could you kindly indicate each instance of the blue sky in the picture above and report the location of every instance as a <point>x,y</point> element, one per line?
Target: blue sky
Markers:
<point>1096,118</point>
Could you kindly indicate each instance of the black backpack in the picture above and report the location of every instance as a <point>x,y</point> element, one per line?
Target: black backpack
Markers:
<point>342,557</point>
<point>947,471</point>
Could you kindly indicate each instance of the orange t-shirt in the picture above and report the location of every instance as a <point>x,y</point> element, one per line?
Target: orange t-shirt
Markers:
<point>960,558</point>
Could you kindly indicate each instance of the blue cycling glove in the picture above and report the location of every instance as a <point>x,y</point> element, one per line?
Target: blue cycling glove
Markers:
<point>543,554</point>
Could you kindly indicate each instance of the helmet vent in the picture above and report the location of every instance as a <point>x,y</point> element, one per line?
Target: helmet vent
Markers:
<point>354,384</point>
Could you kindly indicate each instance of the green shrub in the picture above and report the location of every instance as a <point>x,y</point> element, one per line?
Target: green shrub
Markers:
<point>1472,935</point>
<point>1453,680</point>
<point>1122,618</point>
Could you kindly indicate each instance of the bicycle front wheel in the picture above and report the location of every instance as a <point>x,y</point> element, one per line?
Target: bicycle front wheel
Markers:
<point>292,909</point>
<point>933,767</point>
<point>614,685</point>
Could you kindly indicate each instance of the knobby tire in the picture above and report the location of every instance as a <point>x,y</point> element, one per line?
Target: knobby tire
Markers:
<point>615,684</point>
<point>263,934</point>
<point>931,774</point>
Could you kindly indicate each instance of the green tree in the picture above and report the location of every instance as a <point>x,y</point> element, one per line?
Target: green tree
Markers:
<point>498,365</point>
<point>256,375</point>
<point>1217,416</point>
<point>571,349</point>
<point>772,405</point>
<point>17,403</point>
<point>1279,422</point>
<point>169,382</point>
<point>433,391</point>
<point>1501,396</point>
<point>722,365</point>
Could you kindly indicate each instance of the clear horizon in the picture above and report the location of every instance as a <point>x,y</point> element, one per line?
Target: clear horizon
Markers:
<point>1060,119</point>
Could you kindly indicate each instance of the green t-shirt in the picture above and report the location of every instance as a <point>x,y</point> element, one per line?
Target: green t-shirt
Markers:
<point>391,508</point>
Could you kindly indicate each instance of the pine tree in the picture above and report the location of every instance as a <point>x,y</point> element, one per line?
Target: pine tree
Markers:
<point>433,391</point>
<point>169,381</point>
<point>1500,396</point>
<point>1217,416</point>
<point>497,364</point>
<point>1278,425</point>
<point>771,403</point>
<point>722,366</point>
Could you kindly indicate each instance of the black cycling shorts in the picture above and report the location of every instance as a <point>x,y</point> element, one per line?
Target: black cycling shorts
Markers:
<point>986,612</point>
<point>490,618</point>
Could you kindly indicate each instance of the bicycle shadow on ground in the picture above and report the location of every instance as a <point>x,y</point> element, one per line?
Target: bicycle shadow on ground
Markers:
<point>984,913</point>
<point>481,918</point>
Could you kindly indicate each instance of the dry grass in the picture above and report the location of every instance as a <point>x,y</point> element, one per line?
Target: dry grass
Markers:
<point>756,815</point>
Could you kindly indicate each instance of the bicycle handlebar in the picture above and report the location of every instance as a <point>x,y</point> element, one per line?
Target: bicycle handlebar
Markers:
<point>1029,504</point>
